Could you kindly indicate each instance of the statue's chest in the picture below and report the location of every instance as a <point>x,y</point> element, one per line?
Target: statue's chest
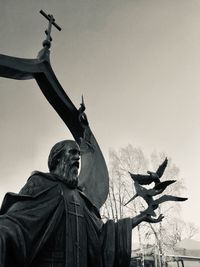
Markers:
<point>75,229</point>
<point>74,205</point>
<point>67,246</point>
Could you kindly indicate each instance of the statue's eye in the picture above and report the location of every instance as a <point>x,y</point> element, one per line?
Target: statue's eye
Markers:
<point>74,152</point>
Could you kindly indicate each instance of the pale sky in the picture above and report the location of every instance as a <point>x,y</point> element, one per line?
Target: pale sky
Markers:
<point>137,63</point>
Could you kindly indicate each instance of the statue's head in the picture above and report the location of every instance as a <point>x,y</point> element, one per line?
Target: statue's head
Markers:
<point>64,160</point>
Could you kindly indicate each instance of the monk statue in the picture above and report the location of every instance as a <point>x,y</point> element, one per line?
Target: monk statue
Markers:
<point>54,220</point>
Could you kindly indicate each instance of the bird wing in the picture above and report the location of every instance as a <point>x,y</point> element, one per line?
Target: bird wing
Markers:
<point>141,179</point>
<point>152,192</point>
<point>162,168</point>
<point>144,192</point>
<point>163,185</point>
<point>165,198</point>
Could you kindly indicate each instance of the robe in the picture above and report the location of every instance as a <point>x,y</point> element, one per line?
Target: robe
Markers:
<point>50,224</point>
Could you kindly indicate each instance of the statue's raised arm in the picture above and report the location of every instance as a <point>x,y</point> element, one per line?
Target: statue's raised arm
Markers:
<point>93,175</point>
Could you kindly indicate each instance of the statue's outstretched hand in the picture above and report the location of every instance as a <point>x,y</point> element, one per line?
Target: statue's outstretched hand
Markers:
<point>150,219</point>
<point>144,217</point>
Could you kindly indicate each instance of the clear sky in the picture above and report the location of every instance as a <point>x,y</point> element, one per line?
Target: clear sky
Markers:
<point>137,63</point>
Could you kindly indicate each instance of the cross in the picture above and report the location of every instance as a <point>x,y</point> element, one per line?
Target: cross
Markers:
<point>77,227</point>
<point>51,19</point>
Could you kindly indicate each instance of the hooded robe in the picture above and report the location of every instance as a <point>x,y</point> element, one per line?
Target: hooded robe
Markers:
<point>50,224</point>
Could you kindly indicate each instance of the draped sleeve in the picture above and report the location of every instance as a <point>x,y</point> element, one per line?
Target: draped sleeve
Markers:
<point>116,246</point>
<point>109,244</point>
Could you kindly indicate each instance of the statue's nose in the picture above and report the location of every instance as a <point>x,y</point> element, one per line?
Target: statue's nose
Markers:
<point>77,156</point>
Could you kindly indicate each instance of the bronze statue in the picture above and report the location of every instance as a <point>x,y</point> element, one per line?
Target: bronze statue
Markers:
<point>52,221</point>
<point>55,220</point>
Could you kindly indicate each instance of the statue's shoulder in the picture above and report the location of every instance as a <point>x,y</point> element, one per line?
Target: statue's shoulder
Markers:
<point>37,185</point>
<point>37,182</point>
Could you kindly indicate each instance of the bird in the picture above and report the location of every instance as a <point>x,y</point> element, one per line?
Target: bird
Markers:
<point>152,176</point>
<point>147,194</point>
<point>153,204</point>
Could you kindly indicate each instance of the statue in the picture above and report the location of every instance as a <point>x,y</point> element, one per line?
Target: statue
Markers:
<point>55,220</point>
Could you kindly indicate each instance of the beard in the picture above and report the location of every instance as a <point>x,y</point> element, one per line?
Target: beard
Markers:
<point>72,182</point>
<point>68,172</point>
<point>72,175</point>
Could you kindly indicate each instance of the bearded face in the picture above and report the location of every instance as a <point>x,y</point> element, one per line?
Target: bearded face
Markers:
<point>70,160</point>
<point>68,163</point>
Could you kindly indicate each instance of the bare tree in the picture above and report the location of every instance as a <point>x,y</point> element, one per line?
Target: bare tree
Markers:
<point>130,159</point>
<point>121,186</point>
<point>161,231</point>
<point>179,230</point>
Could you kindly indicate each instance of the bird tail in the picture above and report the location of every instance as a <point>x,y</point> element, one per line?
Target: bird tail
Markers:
<point>131,199</point>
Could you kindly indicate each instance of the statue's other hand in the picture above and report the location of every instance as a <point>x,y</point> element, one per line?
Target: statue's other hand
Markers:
<point>149,219</point>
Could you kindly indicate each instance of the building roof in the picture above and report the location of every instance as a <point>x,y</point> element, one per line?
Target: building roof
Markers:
<point>188,244</point>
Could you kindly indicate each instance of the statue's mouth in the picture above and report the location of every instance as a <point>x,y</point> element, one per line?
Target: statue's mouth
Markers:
<point>75,164</point>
